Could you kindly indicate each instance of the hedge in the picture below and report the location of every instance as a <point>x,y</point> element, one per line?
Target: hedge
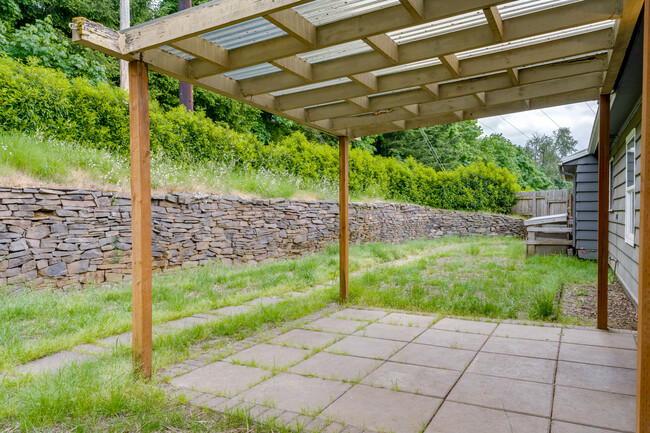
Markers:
<point>34,99</point>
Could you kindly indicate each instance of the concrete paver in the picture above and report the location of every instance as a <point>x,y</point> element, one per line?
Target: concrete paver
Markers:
<point>544,333</point>
<point>594,408</point>
<point>456,417</point>
<point>591,337</point>
<point>598,355</point>
<point>434,382</point>
<point>565,427</point>
<point>337,367</point>
<point>434,356</point>
<point>506,394</point>
<point>269,356</point>
<point>366,347</point>
<point>408,320</point>
<point>596,377</point>
<point>520,347</point>
<point>292,392</point>
<point>220,378</point>
<point>357,314</point>
<point>304,339</point>
<point>451,339</point>
<point>390,332</point>
<point>383,409</point>
<point>233,310</point>
<point>54,362</point>
<point>513,367</point>
<point>333,324</point>
<point>471,326</point>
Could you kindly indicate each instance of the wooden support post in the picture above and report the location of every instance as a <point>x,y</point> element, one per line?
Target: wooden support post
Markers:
<point>185,90</point>
<point>344,231</point>
<point>603,212</point>
<point>643,336</point>
<point>140,217</point>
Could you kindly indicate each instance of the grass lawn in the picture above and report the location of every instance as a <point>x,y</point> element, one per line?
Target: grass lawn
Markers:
<point>465,276</point>
<point>476,276</point>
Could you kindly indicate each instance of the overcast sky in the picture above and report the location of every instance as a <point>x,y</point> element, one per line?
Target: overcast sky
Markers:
<point>578,117</point>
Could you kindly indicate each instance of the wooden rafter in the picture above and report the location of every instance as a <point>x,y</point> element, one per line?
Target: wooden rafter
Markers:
<point>495,22</point>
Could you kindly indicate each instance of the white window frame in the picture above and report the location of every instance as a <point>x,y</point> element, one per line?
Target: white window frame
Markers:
<point>630,147</point>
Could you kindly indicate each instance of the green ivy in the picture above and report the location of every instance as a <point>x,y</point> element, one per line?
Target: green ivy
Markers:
<point>39,100</point>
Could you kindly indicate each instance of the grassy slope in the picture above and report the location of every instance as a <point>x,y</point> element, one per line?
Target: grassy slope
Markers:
<point>473,276</point>
<point>29,161</point>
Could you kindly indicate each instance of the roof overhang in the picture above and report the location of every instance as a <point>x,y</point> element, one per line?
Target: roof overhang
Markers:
<point>363,67</point>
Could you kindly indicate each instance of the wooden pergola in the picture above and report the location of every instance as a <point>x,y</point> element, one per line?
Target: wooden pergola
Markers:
<point>353,68</point>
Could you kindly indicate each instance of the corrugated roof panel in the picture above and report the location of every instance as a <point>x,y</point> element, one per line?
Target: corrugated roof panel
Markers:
<point>408,67</point>
<point>176,52</point>
<point>253,71</point>
<point>321,12</point>
<point>311,86</point>
<point>440,27</point>
<point>536,39</point>
<point>393,92</point>
<point>336,52</point>
<point>246,33</point>
<point>523,7</point>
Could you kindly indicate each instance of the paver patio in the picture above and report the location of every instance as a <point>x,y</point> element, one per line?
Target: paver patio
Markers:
<point>376,370</point>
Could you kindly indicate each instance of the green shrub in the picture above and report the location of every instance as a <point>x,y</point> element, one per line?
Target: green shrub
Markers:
<point>43,101</point>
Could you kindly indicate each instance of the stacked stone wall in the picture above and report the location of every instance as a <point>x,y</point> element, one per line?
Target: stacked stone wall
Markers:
<point>70,237</point>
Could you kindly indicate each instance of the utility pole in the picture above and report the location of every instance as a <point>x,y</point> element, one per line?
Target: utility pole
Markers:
<point>186,90</point>
<point>125,23</point>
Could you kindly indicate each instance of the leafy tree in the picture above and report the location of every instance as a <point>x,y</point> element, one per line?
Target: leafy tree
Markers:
<point>548,150</point>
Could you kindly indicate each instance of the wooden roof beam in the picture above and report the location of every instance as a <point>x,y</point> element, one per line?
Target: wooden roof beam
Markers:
<point>452,64</point>
<point>367,80</point>
<point>432,89</point>
<point>296,25</point>
<point>385,46</point>
<point>463,40</point>
<point>199,20</point>
<point>204,50</point>
<point>480,97</point>
<point>495,22</point>
<point>465,87</point>
<point>513,73</point>
<point>415,8</point>
<point>542,52</point>
<point>481,112</point>
<point>296,66</point>
<point>455,105</point>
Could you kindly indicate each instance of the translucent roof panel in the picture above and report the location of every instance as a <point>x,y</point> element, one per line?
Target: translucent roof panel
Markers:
<point>336,52</point>
<point>523,7</point>
<point>176,52</point>
<point>536,39</point>
<point>313,86</point>
<point>253,71</point>
<point>322,12</point>
<point>246,33</point>
<point>408,67</point>
<point>436,28</point>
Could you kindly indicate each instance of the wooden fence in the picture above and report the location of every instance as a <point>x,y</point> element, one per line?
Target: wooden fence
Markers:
<point>542,203</point>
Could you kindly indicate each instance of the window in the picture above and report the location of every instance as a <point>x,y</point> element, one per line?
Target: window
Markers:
<point>612,178</point>
<point>630,160</point>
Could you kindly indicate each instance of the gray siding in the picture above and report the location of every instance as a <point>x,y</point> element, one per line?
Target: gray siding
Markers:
<point>586,206</point>
<point>624,257</point>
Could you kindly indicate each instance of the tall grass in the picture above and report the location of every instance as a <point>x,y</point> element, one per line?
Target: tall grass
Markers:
<point>65,164</point>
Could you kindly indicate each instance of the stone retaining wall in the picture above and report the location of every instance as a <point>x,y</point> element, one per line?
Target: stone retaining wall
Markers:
<point>73,237</point>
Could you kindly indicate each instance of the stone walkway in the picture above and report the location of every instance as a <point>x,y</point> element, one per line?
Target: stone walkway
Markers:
<point>374,370</point>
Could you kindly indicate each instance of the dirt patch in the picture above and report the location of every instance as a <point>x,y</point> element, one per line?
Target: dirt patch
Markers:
<point>580,302</point>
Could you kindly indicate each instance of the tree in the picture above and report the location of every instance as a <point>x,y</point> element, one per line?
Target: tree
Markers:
<point>548,150</point>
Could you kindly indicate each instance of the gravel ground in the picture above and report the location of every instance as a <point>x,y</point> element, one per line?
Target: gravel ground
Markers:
<point>580,302</point>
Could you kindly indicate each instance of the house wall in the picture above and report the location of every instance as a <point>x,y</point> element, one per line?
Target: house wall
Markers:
<point>624,258</point>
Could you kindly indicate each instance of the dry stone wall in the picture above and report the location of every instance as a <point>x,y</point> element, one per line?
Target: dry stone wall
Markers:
<point>71,237</point>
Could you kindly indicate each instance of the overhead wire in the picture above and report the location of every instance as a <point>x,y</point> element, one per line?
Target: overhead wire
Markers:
<point>550,118</point>
<point>520,131</point>
<point>426,140</point>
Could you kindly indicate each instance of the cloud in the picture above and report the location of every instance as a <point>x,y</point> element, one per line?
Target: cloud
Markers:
<point>578,117</point>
